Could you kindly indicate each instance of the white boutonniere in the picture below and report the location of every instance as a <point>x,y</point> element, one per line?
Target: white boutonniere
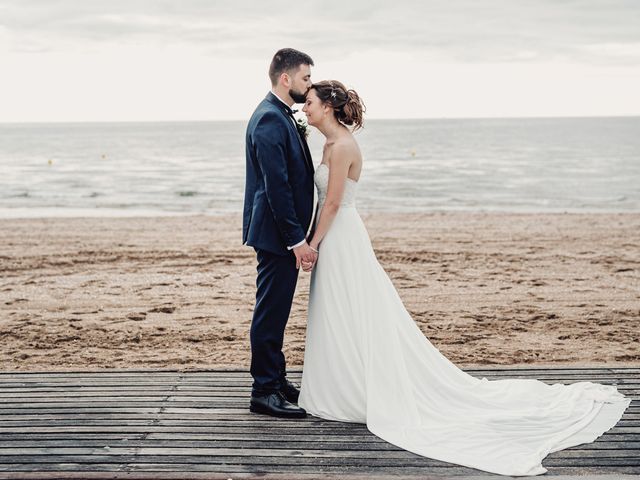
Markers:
<point>303,128</point>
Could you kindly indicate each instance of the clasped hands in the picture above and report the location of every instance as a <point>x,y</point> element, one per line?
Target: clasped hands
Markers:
<point>306,257</point>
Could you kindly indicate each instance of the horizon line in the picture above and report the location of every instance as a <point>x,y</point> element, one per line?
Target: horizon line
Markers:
<point>516,117</point>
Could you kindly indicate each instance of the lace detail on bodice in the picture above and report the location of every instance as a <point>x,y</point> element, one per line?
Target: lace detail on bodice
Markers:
<point>321,179</point>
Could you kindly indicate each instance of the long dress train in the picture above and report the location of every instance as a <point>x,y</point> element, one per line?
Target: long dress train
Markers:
<point>367,361</point>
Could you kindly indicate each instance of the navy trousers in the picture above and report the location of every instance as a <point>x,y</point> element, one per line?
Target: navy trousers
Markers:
<point>276,284</point>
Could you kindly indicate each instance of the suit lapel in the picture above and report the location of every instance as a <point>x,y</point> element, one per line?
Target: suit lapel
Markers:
<point>305,150</point>
<point>271,98</point>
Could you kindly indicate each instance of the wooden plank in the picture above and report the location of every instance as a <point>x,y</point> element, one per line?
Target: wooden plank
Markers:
<point>207,414</point>
<point>234,436</point>
<point>249,442</point>
<point>238,455</point>
<point>27,446</point>
<point>245,377</point>
<point>132,475</point>
<point>226,374</point>
<point>294,470</point>
<point>6,375</point>
<point>627,449</point>
<point>247,382</point>
<point>160,472</point>
<point>189,389</point>
<point>211,393</point>
<point>144,391</point>
<point>88,405</point>
<point>182,423</point>
<point>371,460</point>
<point>208,475</point>
<point>222,387</point>
<point>141,393</point>
<point>298,370</point>
<point>262,429</point>
<point>142,416</point>
<point>220,391</point>
<point>268,422</point>
<point>246,442</point>
<point>69,411</point>
<point>187,424</point>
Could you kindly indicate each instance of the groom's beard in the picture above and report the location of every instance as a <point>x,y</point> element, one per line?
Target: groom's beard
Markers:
<point>297,96</point>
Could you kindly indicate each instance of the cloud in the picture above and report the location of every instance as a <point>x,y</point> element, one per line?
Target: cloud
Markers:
<point>458,30</point>
<point>207,59</point>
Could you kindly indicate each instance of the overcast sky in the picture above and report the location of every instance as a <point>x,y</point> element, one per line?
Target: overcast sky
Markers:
<point>77,60</point>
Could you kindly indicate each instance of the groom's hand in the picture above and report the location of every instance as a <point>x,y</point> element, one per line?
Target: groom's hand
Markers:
<point>304,254</point>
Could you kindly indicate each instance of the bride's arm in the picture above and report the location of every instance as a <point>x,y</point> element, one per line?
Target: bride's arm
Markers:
<point>339,163</point>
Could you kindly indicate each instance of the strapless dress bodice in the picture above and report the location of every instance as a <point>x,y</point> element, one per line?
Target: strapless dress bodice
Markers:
<point>321,179</point>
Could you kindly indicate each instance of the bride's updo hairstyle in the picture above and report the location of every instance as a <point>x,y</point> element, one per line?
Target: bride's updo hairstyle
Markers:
<point>347,105</point>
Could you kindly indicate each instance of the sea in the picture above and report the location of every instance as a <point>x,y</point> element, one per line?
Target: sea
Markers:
<point>183,168</point>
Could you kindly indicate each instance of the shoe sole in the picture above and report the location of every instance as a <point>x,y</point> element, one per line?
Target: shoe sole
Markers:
<point>262,411</point>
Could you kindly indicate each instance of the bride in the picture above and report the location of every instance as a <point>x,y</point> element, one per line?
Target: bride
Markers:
<point>366,360</point>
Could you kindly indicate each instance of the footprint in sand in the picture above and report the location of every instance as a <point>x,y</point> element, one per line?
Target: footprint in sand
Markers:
<point>163,309</point>
<point>16,300</point>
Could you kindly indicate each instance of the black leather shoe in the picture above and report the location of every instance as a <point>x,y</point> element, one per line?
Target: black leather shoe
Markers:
<point>290,391</point>
<point>276,405</point>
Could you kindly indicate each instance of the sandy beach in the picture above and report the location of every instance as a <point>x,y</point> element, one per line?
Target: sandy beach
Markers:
<point>177,292</point>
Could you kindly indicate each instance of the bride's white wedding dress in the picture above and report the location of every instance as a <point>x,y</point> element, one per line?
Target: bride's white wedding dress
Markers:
<point>366,361</point>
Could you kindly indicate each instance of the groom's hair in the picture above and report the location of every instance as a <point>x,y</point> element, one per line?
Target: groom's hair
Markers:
<point>285,60</point>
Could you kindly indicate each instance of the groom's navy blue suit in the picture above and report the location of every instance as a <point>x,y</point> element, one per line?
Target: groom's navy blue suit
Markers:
<point>278,209</point>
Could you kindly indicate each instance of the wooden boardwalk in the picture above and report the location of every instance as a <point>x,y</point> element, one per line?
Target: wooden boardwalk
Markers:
<point>191,425</point>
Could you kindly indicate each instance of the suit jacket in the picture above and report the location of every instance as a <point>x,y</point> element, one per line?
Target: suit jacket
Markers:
<point>278,196</point>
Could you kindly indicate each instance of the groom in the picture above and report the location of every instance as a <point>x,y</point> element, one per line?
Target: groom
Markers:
<point>278,207</point>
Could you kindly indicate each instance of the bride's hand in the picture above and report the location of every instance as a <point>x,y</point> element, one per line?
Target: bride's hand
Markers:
<point>308,266</point>
<point>304,254</point>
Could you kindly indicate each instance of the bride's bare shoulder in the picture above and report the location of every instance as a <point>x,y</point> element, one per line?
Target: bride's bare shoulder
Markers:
<point>346,146</point>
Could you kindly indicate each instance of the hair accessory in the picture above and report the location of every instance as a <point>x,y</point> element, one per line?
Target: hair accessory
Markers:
<point>333,92</point>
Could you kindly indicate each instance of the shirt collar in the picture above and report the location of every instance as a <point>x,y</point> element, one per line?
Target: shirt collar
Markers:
<point>285,103</point>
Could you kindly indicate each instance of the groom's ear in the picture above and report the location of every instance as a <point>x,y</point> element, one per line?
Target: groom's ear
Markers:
<point>285,80</point>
